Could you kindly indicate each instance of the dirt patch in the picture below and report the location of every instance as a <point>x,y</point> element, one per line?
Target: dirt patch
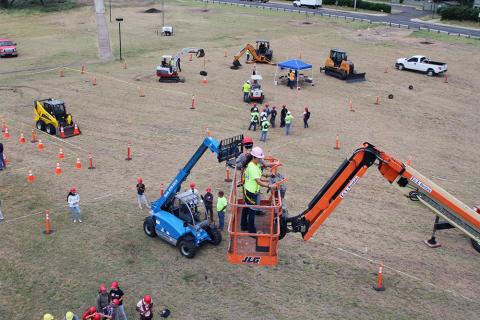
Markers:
<point>152,10</point>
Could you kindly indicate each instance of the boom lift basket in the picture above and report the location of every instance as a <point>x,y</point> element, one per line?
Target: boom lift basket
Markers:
<point>259,248</point>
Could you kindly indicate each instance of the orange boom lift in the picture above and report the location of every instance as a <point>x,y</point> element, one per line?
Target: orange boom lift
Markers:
<point>416,187</point>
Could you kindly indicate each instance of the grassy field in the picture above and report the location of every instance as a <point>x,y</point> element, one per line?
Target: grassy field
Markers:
<point>328,277</point>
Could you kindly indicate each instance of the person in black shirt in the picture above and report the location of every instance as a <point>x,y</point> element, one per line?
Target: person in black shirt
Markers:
<point>2,163</point>
<point>117,293</point>
<point>208,200</point>
<point>283,114</point>
<point>141,197</point>
<point>273,115</point>
<point>306,116</point>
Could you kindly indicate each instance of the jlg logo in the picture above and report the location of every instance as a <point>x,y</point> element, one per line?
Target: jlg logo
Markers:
<point>251,260</point>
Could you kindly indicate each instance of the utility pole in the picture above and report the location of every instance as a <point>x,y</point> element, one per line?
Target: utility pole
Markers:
<point>110,5</point>
<point>163,14</point>
<point>355,5</point>
<point>119,20</point>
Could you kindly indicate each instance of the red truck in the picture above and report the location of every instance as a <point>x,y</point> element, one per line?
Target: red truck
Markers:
<point>7,48</point>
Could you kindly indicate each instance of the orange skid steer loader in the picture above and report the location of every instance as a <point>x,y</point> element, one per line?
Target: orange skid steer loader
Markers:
<point>51,116</point>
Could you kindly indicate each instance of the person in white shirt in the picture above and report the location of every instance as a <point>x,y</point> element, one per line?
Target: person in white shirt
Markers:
<point>1,214</point>
<point>145,308</point>
<point>73,202</point>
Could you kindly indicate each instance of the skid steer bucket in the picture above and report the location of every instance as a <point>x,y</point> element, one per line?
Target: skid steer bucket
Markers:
<point>355,77</point>
<point>68,131</point>
<point>200,53</point>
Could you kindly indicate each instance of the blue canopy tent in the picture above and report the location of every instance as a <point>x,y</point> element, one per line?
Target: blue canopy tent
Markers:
<point>296,65</point>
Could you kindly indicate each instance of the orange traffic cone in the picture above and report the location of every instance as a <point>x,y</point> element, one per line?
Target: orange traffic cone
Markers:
<point>94,82</point>
<point>62,132</point>
<point>48,229</point>
<point>227,178</point>
<point>78,165</point>
<point>141,93</point>
<point>129,153</point>
<point>62,72</point>
<point>337,143</point>
<point>30,177</point>
<point>445,80</point>
<point>193,102</point>
<point>350,106</point>
<point>90,161</point>
<point>379,285</point>
<point>40,145</point>
<point>22,138</point>
<point>58,170</point>
<point>161,189</point>
<point>75,130</point>
<point>225,54</point>
<point>377,102</point>
<point>61,155</point>
<point>125,66</point>
<point>190,57</point>
<point>204,81</point>
<point>6,134</point>
<point>83,69</point>
<point>34,136</point>
<point>207,131</point>
<point>409,160</point>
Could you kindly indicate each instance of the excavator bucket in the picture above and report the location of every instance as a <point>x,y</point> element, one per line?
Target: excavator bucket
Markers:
<point>200,53</point>
<point>236,65</point>
<point>355,77</point>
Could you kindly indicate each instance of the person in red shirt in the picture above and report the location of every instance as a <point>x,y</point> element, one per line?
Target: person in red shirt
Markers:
<point>87,315</point>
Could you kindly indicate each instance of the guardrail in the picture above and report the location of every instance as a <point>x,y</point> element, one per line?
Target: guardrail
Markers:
<point>336,16</point>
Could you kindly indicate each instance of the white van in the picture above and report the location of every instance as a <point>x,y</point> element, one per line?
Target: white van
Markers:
<point>308,3</point>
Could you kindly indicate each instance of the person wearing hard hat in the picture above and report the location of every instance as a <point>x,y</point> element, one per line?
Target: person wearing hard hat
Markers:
<point>145,308</point>
<point>89,313</point>
<point>117,293</point>
<point>288,123</point>
<point>251,189</point>
<point>70,316</point>
<point>208,200</point>
<point>246,91</point>
<point>102,298</point>
<point>48,316</point>
<point>242,158</point>
<point>111,311</point>
<point>141,197</point>
<point>222,204</point>
<point>264,127</point>
<point>254,117</point>
<point>73,200</point>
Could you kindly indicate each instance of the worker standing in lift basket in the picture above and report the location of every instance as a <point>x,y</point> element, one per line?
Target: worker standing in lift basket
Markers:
<point>251,190</point>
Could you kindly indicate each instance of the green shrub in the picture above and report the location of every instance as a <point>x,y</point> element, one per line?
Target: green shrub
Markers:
<point>459,13</point>
<point>373,6</point>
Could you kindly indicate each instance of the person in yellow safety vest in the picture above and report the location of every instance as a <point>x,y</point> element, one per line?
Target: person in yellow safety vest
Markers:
<point>246,91</point>
<point>291,79</point>
<point>254,116</point>
<point>288,123</point>
<point>247,53</point>
<point>265,126</point>
<point>251,190</point>
<point>48,316</point>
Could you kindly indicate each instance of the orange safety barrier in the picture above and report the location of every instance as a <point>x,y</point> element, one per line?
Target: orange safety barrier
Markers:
<point>259,248</point>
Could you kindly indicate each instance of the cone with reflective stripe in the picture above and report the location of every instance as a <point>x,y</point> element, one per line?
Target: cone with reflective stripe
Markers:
<point>90,161</point>
<point>75,130</point>
<point>30,177</point>
<point>78,165</point>
<point>193,102</point>
<point>61,155</point>
<point>337,143</point>
<point>94,82</point>
<point>22,138</point>
<point>379,285</point>
<point>48,229</point>
<point>204,81</point>
<point>40,145</point>
<point>58,170</point>
<point>227,178</point>
<point>350,106</point>
<point>62,132</point>
<point>6,134</point>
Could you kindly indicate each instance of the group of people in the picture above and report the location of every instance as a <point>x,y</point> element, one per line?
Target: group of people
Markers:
<point>261,119</point>
<point>109,305</point>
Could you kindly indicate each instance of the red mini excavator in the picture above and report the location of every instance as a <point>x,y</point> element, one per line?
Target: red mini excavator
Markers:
<point>416,187</point>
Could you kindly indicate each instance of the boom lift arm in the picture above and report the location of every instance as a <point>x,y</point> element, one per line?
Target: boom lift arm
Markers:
<point>225,150</point>
<point>415,186</point>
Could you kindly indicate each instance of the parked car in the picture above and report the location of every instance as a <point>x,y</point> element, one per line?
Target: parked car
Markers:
<point>308,3</point>
<point>422,64</point>
<point>7,48</point>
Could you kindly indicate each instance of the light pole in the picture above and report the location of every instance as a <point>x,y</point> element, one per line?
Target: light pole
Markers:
<point>355,5</point>
<point>110,5</point>
<point>120,35</point>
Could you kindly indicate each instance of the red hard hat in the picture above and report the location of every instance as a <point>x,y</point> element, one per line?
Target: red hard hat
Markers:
<point>208,189</point>
<point>102,288</point>
<point>114,285</point>
<point>116,302</point>
<point>92,310</point>
<point>73,190</point>
<point>147,299</point>
<point>192,185</point>
<point>247,140</point>
<point>139,180</point>
<point>97,316</point>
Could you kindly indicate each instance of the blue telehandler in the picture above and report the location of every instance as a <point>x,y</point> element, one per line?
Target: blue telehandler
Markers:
<point>180,218</point>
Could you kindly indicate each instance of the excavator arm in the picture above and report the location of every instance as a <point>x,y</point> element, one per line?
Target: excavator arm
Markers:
<point>414,185</point>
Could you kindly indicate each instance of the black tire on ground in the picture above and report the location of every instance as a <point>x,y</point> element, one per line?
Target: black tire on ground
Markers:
<point>476,245</point>
<point>410,87</point>
<point>203,73</point>
<point>430,73</point>
<point>401,67</point>
<point>215,235</point>
<point>40,125</point>
<point>390,96</point>
<point>149,227</point>
<point>187,248</point>
<point>50,129</point>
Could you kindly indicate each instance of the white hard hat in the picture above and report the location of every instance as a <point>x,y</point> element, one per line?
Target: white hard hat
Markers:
<point>288,112</point>
<point>257,152</point>
<point>248,81</point>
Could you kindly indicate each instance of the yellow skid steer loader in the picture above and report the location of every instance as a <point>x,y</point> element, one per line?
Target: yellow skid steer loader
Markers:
<point>52,117</point>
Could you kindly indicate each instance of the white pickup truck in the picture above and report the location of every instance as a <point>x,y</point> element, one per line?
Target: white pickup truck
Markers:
<point>422,64</point>
<point>308,3</point>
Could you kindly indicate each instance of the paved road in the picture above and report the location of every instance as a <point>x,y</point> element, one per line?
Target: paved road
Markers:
<point>403,18</point>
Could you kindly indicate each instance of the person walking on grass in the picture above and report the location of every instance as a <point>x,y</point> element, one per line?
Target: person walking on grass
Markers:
<point>102,297</point>
<point>111,311</point>
<point>246,90</point>
<point>208,200</point>
<point>1,213</point>
<point>73,200</point>
<point>265,125</point>
<point>2,162</point>
<point>141,197</point>
<point>222,204</point>
<point>273,115</point>
<point>283,114</point>
<point>288,123</point>
<point>117,293</point>
<point>254,117</point>
<point>306,116</point>
<point>145,308</point>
